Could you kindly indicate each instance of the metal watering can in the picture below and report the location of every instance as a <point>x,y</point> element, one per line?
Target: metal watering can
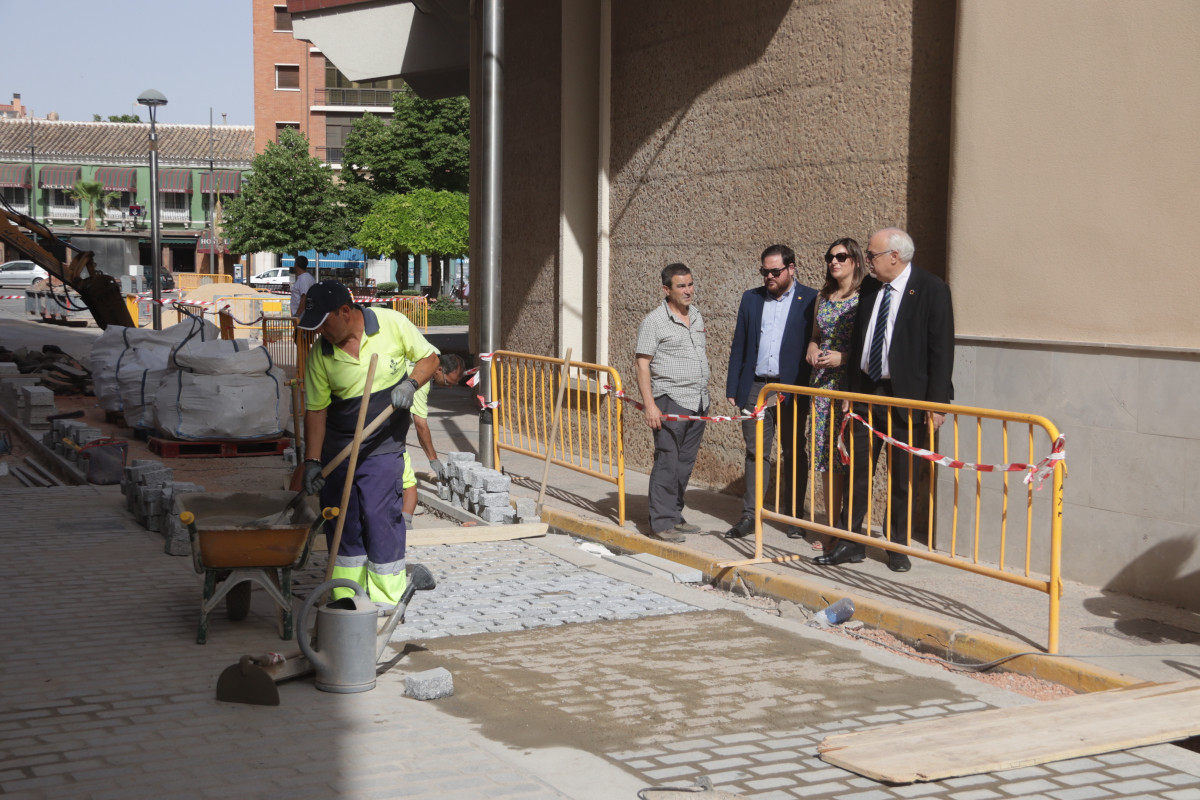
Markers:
<point>346,632</point>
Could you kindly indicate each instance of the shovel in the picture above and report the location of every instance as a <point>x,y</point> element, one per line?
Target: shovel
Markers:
<point>253,679</point>
<point>277,519</point>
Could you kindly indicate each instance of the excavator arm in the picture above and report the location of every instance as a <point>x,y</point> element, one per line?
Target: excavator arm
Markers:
<point>100,293</point>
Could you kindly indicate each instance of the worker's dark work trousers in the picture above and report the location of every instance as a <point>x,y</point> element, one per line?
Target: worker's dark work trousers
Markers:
<point>675,447</point>
<point>372,547</point>
<point>781,414</point>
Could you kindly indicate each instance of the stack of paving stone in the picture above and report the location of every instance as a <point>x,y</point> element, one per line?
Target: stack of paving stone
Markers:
<point>483,491</point>
<point>11,383</point>
<point>78,432</point>
<point>38,403</point>
<point>150,491</point>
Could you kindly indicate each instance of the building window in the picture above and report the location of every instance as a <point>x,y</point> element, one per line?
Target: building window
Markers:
<point>281,126</point>
<point>59,197</point>
<point>15,196</point>
<point>287,76</point>
<point>283,20</point>
<point>118,206</point>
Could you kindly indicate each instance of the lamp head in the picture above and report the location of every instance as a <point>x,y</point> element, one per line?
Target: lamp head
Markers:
<point>152,98</point>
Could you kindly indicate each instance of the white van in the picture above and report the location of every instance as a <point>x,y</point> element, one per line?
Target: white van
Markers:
<point>279,277</point>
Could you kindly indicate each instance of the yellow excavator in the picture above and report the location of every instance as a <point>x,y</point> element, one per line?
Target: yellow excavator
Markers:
<point>101,293</point>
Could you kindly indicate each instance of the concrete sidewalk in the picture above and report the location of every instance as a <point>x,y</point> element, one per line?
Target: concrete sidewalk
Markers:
<point>1111,639</point>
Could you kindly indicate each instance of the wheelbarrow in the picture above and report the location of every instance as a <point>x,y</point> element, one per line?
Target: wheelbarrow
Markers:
<point>235,544</point>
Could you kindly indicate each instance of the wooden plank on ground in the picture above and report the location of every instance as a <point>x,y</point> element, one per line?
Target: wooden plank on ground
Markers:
<point>1007,738</point>
<point>477,533</point>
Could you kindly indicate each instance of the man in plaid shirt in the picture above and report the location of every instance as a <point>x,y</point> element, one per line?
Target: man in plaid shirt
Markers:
<point>672,376</point>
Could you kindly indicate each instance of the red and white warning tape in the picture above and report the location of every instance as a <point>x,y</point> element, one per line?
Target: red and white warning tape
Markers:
<point>620,394</point>
<point>12,297</point>
<point>1038,472</point>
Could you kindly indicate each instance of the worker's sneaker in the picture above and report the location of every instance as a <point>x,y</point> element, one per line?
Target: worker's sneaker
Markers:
<point>669,535</point>
<point>683,526</point>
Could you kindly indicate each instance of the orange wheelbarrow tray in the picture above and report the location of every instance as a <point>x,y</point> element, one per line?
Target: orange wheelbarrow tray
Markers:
<point>234,547</point>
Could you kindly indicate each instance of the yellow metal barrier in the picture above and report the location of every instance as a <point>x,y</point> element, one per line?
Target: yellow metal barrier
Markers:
<point>187,281</point>
<point>589,431</point>
<point>415,308</point>
<point>975,435</point>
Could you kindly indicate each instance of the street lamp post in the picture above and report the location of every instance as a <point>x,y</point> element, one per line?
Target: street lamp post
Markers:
<point>152,99</point>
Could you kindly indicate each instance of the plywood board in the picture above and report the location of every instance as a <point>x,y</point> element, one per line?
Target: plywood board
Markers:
<point>1007,738</point>
<point>477,533</point>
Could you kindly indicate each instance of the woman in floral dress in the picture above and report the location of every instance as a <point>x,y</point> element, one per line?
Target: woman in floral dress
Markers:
<point>828,350</point>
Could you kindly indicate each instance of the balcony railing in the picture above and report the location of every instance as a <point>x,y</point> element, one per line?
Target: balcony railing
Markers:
<point>332,155</point>
<point>175,215</point>
<point>20,208</point>
<point>354,97</point>
<point>64,212</point>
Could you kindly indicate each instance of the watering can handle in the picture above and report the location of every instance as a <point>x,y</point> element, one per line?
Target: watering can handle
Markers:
<point>317,594</point>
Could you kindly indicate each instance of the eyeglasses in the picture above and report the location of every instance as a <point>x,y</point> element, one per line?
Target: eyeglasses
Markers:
<point>774,273</point>
<point>872,256</point>
<point>841,258</point>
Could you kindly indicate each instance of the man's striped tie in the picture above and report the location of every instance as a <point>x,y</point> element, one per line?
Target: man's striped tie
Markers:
<point>875,364</point>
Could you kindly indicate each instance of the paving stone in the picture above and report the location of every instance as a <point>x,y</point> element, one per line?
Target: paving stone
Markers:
<point>430,684</point>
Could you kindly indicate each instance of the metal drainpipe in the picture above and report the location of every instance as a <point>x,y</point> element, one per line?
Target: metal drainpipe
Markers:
<point>489,224</point>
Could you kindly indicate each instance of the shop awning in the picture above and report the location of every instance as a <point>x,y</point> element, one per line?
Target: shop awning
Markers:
<point>14,175</point>
<point>117,179</point>
<point>59,177</point>
<point>177,181</point>
<point>229,181</point>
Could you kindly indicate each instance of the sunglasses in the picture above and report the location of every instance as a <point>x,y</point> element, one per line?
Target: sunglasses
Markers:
<point>774,273</point>
<point>841,258</point>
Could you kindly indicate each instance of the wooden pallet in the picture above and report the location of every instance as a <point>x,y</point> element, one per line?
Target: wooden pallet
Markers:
<point>218,448</point>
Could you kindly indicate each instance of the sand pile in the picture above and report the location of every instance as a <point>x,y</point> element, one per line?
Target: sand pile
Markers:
<point>212,290</point>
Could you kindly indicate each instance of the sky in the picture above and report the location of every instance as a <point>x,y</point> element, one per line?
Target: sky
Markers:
<point>81,57</point>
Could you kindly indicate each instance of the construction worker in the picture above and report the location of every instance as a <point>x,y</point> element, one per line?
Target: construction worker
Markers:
<point>371,551</point>
<point>449,372</point>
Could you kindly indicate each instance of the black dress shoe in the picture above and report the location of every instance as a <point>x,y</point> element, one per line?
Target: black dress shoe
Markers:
<point>745,527</point>
<point>794,533</point>
<point>843,553</point>
<point>898,562</point>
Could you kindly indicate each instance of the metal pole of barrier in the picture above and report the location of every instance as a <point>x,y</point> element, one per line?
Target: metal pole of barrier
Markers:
<point>563,377</point>
<point>490,207</point>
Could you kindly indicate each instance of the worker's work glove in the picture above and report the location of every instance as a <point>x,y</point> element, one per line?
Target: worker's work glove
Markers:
<point>402,395</point>
<point>439,469</point>
<point>313,479</point>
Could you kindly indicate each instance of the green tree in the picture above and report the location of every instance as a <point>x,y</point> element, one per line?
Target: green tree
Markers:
<point>291,202</point>
<point>425,146</point>
<point>423,221</point>
<point>92,193</point>
<point>119,118</point>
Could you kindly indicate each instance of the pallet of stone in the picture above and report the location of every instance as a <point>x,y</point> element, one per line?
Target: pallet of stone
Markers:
<point>218,448</point>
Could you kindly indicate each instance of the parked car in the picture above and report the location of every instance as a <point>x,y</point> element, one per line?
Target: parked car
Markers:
<point>21,274</point>
<point>279,277</point>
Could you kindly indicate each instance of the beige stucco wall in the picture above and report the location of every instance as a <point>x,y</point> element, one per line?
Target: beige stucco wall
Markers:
<point>1075,161</point>
<point>738,125</point>
<point>529,284</point>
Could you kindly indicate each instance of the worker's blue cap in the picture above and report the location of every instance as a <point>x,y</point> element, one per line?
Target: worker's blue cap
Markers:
<point>321,300</point>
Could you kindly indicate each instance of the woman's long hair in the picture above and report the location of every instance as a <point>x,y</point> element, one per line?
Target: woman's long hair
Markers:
<point>860,267</point>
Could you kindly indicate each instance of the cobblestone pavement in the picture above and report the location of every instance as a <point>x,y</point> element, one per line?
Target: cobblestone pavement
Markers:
<point>615,681</point>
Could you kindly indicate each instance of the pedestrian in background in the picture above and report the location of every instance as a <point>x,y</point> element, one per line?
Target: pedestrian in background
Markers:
<point>672,377</point>
<point>301,285</point>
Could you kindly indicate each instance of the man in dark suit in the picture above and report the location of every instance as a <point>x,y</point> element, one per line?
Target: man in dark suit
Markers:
<point>774,322</point>
<point>904,348</point>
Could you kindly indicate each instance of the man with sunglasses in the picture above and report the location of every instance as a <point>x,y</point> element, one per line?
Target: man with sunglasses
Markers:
<point>903,347</point>
<point>769,343</point>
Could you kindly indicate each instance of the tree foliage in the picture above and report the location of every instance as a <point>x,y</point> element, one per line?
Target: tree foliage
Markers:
<point>119,118</point>
<point>92,193</point>
<point>290,202</point>
<point>425,146</point>
<point>423,221</point>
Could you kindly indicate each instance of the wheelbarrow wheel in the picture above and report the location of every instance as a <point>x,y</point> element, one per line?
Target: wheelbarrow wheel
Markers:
<point>237,601</point>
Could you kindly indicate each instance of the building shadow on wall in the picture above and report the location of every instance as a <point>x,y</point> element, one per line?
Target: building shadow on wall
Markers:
<point>929,125</point>
<point>1134,619</point>
<point>727,38</point>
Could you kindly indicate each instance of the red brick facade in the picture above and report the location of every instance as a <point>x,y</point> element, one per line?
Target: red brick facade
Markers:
<point>274,106</point>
